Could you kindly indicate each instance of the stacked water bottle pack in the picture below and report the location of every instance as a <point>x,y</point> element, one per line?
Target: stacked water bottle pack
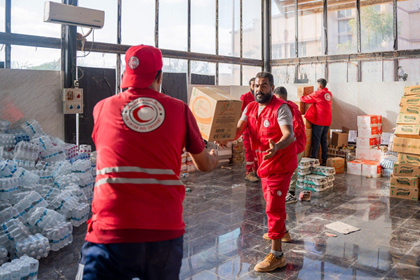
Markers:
<point>312,176</point>
<point>22,268</point>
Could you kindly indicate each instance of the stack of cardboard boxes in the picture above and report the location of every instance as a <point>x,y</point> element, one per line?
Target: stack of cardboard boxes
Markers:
<point>302,91</point>
<point>404,181</point>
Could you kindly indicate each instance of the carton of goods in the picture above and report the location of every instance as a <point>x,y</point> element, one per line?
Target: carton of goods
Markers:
<point>308,124</point>
<point>323,170</point>
<point>408,119</point>
<point>340,139</point>
<point>412,90</point>
<point>408,130</point>
<point>371,169</point>
<point>406,182</point>
<point>307,152</point>
<point>369,131</point>
<point>412,100</point>
<point>408,170</point>
<point>316,180</point>
<point>304,107</point>
<point>217,113</point>
<point>363,153</point>
<point>406,145</point>
<point>409,159</point>
<point>354,167</point>
<point>375,154</point>
<point>410,110</point>
<point>304,90</point>
<point>404,192</point>
<point>369,120</point>
<point>337,163</point>
<point>363,142</point>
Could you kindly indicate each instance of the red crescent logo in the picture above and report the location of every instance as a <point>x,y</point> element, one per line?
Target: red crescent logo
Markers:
<point>136,116</point>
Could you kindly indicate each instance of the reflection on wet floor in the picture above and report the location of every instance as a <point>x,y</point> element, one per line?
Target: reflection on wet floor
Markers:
<point>225,222</point>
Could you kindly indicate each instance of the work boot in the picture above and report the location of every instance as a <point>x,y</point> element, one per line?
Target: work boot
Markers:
<point>286,238</point>
<point>290,198</point>
<point>251,177</point>
<point>270,263</point>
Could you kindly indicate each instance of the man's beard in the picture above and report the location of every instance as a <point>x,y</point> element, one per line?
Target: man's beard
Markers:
<point>264,98</point>
<point>252,91</point>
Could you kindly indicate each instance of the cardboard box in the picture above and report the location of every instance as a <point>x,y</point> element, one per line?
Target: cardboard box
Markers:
<point>354,167</point>
<point>409,159</point>
<point>371,169</point>
<point>303,107</point>
<point>338,164</point>
<point>363,142</point>
<point>369,120</point>
<point>412,90</point>
<point>362,153</point>
<point>304,90</point>
<point>412,100</point>
<point>408,119</point>
<point>406,145</point>
<point>308,146</point>
<point>217,113</point>
<point>340,139</point>
<point>406,182</point>
<point>369,132</point>
<point>307,123</point>
<point>404,193</point>
<point>408,130</point>
<point>375,154</point>
<point>410,110</point>
<point>407,170</point>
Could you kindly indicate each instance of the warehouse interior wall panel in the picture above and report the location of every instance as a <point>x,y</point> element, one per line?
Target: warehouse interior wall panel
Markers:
<point>175,85</point>
<point>32,94</point>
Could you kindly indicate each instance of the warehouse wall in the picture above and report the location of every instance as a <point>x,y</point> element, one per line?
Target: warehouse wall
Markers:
<point>26,94</point>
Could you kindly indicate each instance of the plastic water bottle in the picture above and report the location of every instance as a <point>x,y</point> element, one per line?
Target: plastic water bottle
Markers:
<point>45,177</point>
<point>26,151</point>
<point>53,154</point>
<point>81,166</point>
<point>7,141</point>
<point>70,150</point>
<point>4,125</point>
<point>32,127</point>
<point>9,186</point>
<point>80,214</point>
<point>28,205</point>
<point>27,177</point>
<point>64,203</point>
<point>63,181</point>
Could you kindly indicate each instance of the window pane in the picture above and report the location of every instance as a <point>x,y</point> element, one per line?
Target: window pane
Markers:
<point>377,27</point>
<point>283,75</point>
<point>352,74</point>
<point>408,23</point>
<point>108,34</point>
<point>2,60</point>
<point>203,26</point>
<point>94,59</point>
<point>388,75</point>
<point>310,33</point>
<point>229,74</point>
<point>172,65</point>
<point>2,12</point>
<point>409,70</point>
<point>203,68</point>
<point>251,29</point>
<point>249,72</point>
<point>173,24</point>
<point>229,27</point>
<point>283,30</point>
<point>337,72</point>
<point>135,29</point>
<point>28,18</point>
<point>309,73</point>
<point>35,58</point>
<point>372,71</point>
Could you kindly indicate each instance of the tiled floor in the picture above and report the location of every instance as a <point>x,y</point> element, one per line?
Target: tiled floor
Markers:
<point>225,222</point>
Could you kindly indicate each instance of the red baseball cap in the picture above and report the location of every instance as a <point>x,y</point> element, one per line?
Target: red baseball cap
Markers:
<point>141,66</point>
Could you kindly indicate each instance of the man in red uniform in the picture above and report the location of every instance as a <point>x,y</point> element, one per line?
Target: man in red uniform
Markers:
<point>270,124</point>
<point>299,130</point>
<point>251,160</point>
<point>320,115</point>
<point>136,229</point>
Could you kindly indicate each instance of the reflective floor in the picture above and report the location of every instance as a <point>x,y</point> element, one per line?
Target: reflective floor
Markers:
<point>225,222</point>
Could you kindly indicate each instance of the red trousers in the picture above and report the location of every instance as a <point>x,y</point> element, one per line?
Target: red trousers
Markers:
<point>250,157</point>
<point>275,189</point>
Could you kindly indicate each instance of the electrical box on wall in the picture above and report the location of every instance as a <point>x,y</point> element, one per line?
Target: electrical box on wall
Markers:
<point>72,101</point>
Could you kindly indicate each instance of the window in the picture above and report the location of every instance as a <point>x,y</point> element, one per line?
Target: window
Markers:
<point>343,26</point>
<point>408,22</point>
<point>372,71</point>
<point>172,65</point>
<point>352,75</point>
<point>337,72</point>
<point>344,13</point>
<point>98,60</point>
<point>203,68</point>
<point>173,24</point>
<point>28,18</point>
<point>302,49</point>
<point>409,70</point>
<point>229,74</point>
<point>203,26</point>
<point>249,72</point>
<point>135,29</point>
<point>283,75</point>
<point>310,73</point>
<point>251,29</point>
<point>310,26</point>
<point>388,71</point>
<point>283,28</point>
<point>342,29</point>
<point>2,12</point>
<point>229,27</point>
<point>344,39</point>
<point>35,58</point>
<point>377,28</point>
<point>277,52</point>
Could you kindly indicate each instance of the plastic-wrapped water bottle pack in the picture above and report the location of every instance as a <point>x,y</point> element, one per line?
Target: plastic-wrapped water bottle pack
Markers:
<point>23,268</point>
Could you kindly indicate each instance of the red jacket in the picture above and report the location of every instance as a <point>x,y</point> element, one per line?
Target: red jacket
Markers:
<point>264,128</point>
<point>247,98</point>
<point>139,135</point>
<point>320,112</point>
<point>299,128</point>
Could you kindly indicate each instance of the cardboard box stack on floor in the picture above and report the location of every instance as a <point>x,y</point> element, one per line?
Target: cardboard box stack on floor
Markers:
<point>313,177</point>
<point>405,178</point>
<point>238,151</point>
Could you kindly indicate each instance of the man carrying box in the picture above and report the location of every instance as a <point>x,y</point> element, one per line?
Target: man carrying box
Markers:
<point>251,159</point>
<point>320,115</point>
<point>300,135</point>
<point>270,124</point>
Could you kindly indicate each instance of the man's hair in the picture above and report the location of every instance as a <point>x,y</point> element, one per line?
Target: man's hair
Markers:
<point>282,92</point>
<point>322,81</point>
<point>157,75</point>
<point>262,75</point>
<point>251,80</point>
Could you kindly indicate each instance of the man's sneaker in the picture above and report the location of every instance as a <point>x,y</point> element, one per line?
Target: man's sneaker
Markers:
<point>251,177</point>
<point>290,198</point>
<point>286,238</point>
<point>270,263</point>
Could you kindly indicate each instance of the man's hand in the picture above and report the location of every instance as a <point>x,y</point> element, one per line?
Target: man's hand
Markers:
<point>272,151</point>
<point>222,144</point>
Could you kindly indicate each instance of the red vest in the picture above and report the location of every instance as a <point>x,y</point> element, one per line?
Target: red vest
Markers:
<point>137,184</point>
<point>299,128</point>
<point>246,99</point>
<point>320,112</point>
<point>264,127</point>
